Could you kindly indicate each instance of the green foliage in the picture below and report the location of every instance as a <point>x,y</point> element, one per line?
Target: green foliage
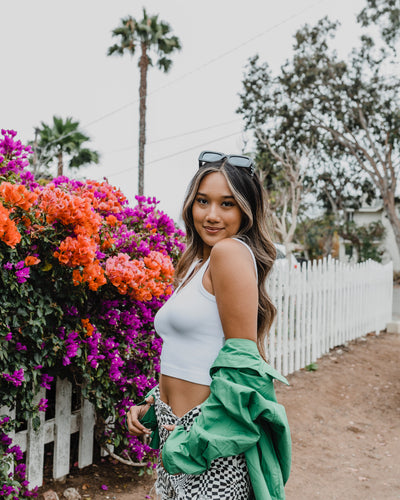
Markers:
<point>150,32</point>
<point>54,143</point>
<point>344,115</point>
<point>313,367</point>
<point>385,14</point>
<point>316,236</point>
<point>365,239</point>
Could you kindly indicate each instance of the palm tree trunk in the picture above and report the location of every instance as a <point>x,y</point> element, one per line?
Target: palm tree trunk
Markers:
<point>143,64</point>
<point>60,165</point>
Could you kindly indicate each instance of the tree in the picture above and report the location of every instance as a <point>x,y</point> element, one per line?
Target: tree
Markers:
<point>149,34</point>
<point>385,13</point>
<point>340,189</point>
<point>54,143</point>
<point>284,175</point>
<point>345,111</point>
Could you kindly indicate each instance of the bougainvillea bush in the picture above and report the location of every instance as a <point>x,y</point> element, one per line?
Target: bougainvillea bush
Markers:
<point>81,277</point>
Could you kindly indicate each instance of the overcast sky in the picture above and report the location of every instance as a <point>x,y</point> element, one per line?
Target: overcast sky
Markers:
<point>54,62</point>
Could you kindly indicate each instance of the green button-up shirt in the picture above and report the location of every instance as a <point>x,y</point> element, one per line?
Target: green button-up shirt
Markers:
<point>241,415</point>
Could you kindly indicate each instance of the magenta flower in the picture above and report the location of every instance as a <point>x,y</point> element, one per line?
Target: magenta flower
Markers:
<point>46,381</point>
<point>42,404</point>
<point>20,347</point>
<point>23,274</point>
<point>16,378</point>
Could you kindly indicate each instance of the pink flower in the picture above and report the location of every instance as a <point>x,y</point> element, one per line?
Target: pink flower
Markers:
<point>42,404</point>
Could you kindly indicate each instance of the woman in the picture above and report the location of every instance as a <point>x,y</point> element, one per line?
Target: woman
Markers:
<point>221,433</point>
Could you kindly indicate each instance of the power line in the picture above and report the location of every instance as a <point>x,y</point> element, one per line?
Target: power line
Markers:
<point>202,66</point>
<point>211,61</point>
<point>171,137</point>
<point>181,152</point>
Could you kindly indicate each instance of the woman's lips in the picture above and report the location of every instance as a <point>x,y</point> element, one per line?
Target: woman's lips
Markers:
<point>212,230</point>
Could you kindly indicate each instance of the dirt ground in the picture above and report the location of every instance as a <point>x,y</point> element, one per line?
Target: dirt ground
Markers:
<point>345,424</point>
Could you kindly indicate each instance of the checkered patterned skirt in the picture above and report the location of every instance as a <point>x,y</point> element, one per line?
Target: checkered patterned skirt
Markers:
<point>226,479</point>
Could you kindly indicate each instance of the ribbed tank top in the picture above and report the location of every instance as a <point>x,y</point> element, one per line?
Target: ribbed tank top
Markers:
<point>191,329</point>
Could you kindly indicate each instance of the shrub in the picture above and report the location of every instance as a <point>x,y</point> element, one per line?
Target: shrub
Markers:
<point>82,275</point>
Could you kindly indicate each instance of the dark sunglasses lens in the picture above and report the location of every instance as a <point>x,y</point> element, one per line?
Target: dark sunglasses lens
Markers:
<point>211,157</point>
<point>239,161</point>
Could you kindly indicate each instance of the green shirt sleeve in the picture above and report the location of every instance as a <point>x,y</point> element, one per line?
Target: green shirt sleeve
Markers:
<point>150,421</point>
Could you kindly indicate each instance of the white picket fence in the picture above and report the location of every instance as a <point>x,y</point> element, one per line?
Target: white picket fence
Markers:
<point>57,430</point>
<point>323,305</point>
<point>319,307</point>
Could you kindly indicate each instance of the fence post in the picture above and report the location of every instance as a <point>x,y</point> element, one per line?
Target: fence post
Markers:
<point>86,434</point>
<point>35,447</point>
<point>62,437</point>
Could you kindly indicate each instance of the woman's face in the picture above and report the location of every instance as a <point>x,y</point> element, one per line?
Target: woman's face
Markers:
<point>216,214</point>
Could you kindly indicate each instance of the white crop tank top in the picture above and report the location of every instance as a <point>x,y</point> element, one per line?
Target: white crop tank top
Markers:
<point>191,329</point>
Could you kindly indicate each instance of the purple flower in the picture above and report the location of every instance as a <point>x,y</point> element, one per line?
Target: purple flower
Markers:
<point>16,450</point>
<point>20,347</point>
<point>8,337</point>
<point>23,274</point>
<point>8,266</point>
<point>42,406</point>
<point>16,378</point>
<point>6,490</point>
<point>72,346</point>
<point>46,381</point>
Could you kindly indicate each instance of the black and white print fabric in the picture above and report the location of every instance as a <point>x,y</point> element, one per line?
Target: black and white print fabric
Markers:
<point>227,478</point>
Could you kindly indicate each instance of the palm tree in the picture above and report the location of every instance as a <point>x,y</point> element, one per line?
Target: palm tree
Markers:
<point>149,33</point>
<point>61,139</point>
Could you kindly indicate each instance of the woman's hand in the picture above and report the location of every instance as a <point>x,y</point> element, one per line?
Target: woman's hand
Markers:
<point>135,414</point>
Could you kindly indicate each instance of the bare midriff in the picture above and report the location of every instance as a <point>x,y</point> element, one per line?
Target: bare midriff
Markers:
<point>182,395</point>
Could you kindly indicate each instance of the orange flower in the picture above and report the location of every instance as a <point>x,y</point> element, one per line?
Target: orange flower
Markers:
<point>8,229</point>
<point>17,194</point>
<point>79,251</point>
<point>93,274</point>
<point>69,209</point>
<point>87,326</point>
<point>112,220</point>
<point>26,221</point>
<point>108,242</point>
<point>31,260</point>
<point>141,279</point>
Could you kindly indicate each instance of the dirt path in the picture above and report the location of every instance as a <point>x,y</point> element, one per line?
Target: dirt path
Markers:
<point>345,423</point>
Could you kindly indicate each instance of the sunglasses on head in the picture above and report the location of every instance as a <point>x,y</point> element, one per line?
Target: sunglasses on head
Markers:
<point>233,160</point>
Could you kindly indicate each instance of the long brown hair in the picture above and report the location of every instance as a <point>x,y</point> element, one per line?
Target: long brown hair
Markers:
<point>250,196</point>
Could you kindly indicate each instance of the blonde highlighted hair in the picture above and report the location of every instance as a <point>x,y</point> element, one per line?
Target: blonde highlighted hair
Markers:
<point>250,197</point>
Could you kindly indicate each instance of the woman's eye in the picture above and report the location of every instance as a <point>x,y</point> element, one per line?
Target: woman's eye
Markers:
<point>201,201</point>
<point>227,204</point>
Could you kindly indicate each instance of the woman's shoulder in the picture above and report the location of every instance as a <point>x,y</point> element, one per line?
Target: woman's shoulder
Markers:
<point>232,252</point>
<point>229,245</point>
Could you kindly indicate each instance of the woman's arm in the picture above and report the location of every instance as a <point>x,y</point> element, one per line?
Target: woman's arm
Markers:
<point>234,283</point>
